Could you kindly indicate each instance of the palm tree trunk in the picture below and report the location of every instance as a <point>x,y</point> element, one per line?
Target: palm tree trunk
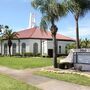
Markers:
<point>54,31</point>
<point>77,33</point>
<point>41,47</point>
<point>54,52</point>
<point>9,45</point>
<point>19,46</point>
<point>10,51</point>
<point>1,47</point>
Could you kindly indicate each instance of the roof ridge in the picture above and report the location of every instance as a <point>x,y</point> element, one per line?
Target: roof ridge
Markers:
<point>34,29</point>
<point>38,33</point>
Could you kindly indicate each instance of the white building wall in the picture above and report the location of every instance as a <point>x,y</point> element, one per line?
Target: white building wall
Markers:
<point>32,41</point>
<point>63,44</point>
<point>5,41</point>
<point>46,44</point>
<point>44,48</point>
<point>16,42</point>
<point>59,43</point>
<point>29,44</point>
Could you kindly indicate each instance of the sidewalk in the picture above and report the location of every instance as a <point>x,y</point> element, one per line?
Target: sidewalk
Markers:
<point>39,81</point>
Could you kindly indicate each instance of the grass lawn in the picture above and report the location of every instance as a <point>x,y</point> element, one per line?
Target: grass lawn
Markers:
<point>22,63</point>
<point>8,83</point>
<point>72,78</point>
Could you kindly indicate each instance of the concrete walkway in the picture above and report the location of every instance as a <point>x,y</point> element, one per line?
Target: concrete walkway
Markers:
<point>41,82</point>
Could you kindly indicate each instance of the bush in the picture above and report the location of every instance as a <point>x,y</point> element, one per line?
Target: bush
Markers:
<point>38,54</point>
<point>28,54</point>
<point>0,54</point>
<point>65,65</point>
<point>18,54</point>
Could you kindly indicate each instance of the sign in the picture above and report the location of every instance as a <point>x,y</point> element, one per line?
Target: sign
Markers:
<point>83,57</point>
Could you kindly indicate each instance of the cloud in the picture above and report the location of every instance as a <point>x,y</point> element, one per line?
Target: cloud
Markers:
<point>83,32</point>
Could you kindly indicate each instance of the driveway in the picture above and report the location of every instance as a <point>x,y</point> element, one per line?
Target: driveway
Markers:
<point>39,81</point>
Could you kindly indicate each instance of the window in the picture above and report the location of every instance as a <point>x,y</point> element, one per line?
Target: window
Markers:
<point>23,48</point>
<point>59,49</point>
<point>35,48</point>
<point>14,48</point>
<point>5,49</point>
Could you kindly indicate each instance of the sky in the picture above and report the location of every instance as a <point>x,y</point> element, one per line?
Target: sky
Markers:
<point>16,13</point>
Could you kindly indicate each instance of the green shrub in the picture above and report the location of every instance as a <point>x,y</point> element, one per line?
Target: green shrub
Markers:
<point>18,54</point>
<point>28,54</point>
<point>0,54</point>
<point>65,65</point>
<point>39,54</point>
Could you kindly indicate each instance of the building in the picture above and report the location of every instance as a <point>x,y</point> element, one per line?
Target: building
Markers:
<point>36,41</point>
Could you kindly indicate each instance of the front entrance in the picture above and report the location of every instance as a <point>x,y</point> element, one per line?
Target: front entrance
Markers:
<point>50,52</point>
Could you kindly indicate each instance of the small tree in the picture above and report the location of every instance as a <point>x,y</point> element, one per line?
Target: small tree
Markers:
<point>1,34</point>
<point>85,43</point>
<point>9,35</point>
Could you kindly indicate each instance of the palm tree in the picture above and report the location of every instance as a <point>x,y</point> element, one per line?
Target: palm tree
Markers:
<point>85,43</point>
<point>9,35</point>
<point>51,11</point>
<point>78,8</point>
<point>1,27</point>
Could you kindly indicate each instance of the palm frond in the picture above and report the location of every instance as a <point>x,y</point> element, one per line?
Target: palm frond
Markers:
<point>43,23</point>
<point>51,11</point>
<point>10,35</point>
<point>78,7</point>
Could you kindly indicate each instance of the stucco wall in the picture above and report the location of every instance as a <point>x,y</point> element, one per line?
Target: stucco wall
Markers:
<point>59,43</point>
<point>29,45</point>
<point>44,48</point>
<point>43,45</point>
<point>63,44</point>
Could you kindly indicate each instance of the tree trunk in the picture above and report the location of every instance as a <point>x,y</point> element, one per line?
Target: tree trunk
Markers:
<point>41,47</point>
<point>1,47</point>
<point>77,33</point>
<point>10,51</point>
<point>54,52</point>
<point>9,45</point>
<point>19,46</point>
<point>54,31</point>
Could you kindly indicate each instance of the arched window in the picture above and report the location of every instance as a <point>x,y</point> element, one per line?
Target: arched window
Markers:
<point>35,48</point>
<point>5,49</point>
<point>14,48</point>
<point>23,48</point>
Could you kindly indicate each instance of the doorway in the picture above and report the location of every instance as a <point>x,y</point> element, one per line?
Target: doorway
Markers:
<point>50,52</point>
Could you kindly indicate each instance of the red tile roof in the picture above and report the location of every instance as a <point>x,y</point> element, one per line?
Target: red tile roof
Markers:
<point>36,33</point>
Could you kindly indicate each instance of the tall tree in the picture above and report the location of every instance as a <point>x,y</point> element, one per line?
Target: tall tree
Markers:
<point>51,11</point>
<point>78,8</point>
<point>9,35</point>
<point>1,40</point>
